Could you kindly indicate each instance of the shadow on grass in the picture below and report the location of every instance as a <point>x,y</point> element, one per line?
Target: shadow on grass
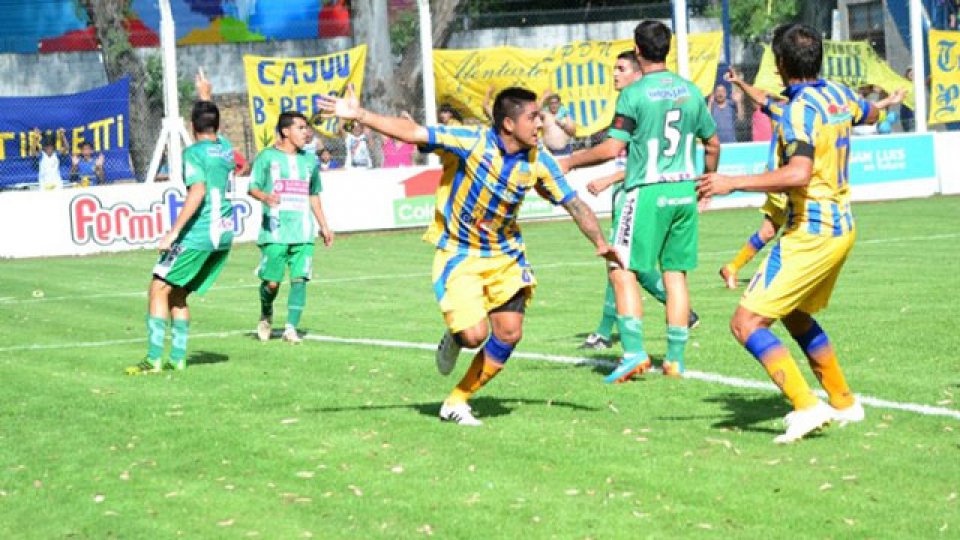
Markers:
<point>484,406</point>
<point>744,413</point>
<point>206,357</point>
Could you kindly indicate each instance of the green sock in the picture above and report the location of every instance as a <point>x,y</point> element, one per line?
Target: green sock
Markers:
<point>267,296</point>
<point>178,342</point>
<point>631,335</point>
<point>677,337</point>
<point>295,302</point>
<point>652,282</point>
<point>609,318</point>
<point>156,333</point>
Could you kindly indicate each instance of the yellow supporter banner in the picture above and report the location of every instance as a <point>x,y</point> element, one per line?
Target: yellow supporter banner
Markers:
<point>944,76</point>
<point>853,63</point>
<point>277,85</point>
<point>581,72</point>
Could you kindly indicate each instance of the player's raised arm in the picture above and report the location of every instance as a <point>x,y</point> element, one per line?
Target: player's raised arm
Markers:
<point>755,94</point>
<point>397,127</point>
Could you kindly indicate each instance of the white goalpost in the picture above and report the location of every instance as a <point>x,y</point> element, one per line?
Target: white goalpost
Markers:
<point>173,132</point>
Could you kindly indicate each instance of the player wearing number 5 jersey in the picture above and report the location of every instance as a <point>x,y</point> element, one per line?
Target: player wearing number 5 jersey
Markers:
<point>798,276</point>
<point>659,119</point>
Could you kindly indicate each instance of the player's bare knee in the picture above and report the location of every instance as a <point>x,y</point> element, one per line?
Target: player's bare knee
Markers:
<point>474,336</point>
<point>509,335</point>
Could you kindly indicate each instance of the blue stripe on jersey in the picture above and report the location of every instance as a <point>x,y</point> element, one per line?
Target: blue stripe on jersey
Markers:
<point>509,162</point>
<point>838,99</point>
<point>813,217</point>
<point>819,106</point>
<point>448,207</point>
<point>476,187</point>
<point>809,122</point>
<point>773,265</point>
<point>837,225</point>
<point>849,217</point>
<point>554,169</point>
<point>789,135</point>
<point>440,285</point>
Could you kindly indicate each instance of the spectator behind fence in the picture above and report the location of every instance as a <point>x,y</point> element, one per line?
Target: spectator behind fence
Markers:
<point>449,116</point>
<point>725,113</point>
<point>242,166</point>
<point>762,126</point>
<point>358,147</point>
<point>558,127</point>
<point>86,170</point>
<point>397,153</point>
<point>326,160</point>
<point>48,161</point>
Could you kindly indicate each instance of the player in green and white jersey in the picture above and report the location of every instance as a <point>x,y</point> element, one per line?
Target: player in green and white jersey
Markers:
<point>658,120</point>
<point>195,249</point>
<point>286,180</point>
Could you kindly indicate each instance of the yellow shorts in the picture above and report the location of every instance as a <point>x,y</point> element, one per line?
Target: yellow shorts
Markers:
<point>798,274</point>
<point>469,287</point>
<point>775,208</point>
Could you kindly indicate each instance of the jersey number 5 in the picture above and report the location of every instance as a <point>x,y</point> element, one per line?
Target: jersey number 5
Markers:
<point>671,132</point>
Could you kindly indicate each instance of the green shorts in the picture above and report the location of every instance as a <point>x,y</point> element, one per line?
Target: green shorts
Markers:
<point>656,227</point>
<point>190,269</point>
<point>275,258</point>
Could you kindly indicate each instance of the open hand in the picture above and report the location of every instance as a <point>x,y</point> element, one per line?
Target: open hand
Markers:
<point>611,254</point>
<point>712,184</point>
<point>347,107</point>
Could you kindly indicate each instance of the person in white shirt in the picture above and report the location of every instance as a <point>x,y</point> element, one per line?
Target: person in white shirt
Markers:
<point>48,164</point>
<point>358,147</point>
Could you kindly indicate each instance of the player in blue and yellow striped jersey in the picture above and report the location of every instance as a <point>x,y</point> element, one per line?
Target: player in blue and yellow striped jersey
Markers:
<point>481,276</point>
<point>774,209</point>
<point>799,274</point>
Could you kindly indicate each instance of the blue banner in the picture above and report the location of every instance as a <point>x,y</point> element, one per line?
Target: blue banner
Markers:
<point>99,117</point>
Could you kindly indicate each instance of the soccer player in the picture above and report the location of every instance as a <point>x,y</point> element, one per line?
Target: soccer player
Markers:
<point>626,71</point>
<point>193,252</point>
<point>481,276</point>
<point>798,276</point>
<point>656,223</point>
<point>774,208</point>
<point>286,181</point>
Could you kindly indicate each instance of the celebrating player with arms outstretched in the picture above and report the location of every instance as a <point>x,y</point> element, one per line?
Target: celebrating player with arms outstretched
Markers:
<point>481,276</point>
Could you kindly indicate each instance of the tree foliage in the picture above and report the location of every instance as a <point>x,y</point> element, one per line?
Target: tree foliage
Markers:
<point>753,20</point>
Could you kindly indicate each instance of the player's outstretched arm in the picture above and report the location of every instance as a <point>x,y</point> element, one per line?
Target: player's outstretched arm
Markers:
<point>599,185</point>
<point>195,194</point>
<point>397,127</point>
<point>587,222</point>
<point>600,153</point>
<point>755,94</point>
<point>796,173</point>
<point>893,99</point>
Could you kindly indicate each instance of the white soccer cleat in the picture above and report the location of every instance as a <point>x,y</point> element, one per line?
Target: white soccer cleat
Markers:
<point>290,335</point>
<point>800,423</point>
<point>850,415</point>
<point>264,330</point>
<point>461,414</point>
<point>447,352</point>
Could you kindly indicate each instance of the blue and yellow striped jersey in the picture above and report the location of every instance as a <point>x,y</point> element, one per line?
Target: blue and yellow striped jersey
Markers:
<point>820,115</point>
<point>481,189</point>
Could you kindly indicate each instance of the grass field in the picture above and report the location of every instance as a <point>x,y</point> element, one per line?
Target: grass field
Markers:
<point>339,439</point>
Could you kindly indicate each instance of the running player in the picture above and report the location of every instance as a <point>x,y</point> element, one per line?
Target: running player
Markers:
<point>657,221</point>
<point>286,181</point>
<point>626,71</point>
<point>481,276</point>
<point>195,249</point>
<point>798,276</point>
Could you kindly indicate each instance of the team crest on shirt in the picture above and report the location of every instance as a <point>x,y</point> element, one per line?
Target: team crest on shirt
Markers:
<point>838,113</point>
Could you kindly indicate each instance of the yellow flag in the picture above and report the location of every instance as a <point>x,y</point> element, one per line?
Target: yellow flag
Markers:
<point>277,84</point>
<point>581,72</point>
<point>944,76</point>
<point>853,63</point>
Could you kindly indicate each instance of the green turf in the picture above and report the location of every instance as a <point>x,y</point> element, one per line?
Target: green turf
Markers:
<point>341,440</point>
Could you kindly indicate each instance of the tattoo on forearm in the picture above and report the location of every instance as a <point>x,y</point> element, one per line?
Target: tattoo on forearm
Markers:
<point>586,220</point>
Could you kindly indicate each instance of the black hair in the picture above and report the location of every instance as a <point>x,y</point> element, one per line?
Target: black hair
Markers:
<point>205,117</point>
<point>653,40</point>
<point>510,103</point>
<point>286,119</point>
<point>85,144</point>
<point>798,48</point>
<point>630,56</point>
<point>453,112</point>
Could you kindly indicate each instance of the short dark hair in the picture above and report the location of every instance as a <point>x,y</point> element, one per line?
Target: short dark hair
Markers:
<point>509,104</point>
<point>85,144</point>
<point>286,119</point>
<point>630,56</point>
<point>447,108</point>
<point>799,49</point>
<point>653,40</point>
<point>205,117</point>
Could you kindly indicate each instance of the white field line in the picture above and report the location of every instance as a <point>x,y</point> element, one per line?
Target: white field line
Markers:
<point>736,382</point>
<point>10,300</point>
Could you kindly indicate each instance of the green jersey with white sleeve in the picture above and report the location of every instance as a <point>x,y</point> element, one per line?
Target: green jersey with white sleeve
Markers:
<point>295,178</point>
<point>211,227</point>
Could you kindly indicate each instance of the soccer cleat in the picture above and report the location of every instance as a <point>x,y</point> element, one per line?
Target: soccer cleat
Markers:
<point>596,342</point>
<point>628,367</point>
<point>673,369</point>
<point>146,367</point>
<point>290,335</point>
<point>179,365</point>
<point>850,415</point>
<point>264,329</point>
<point>800,423</point>
<point>461,414</point>
<point>447,352</point>
<point>729,276</point>
<point>694,320</point>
